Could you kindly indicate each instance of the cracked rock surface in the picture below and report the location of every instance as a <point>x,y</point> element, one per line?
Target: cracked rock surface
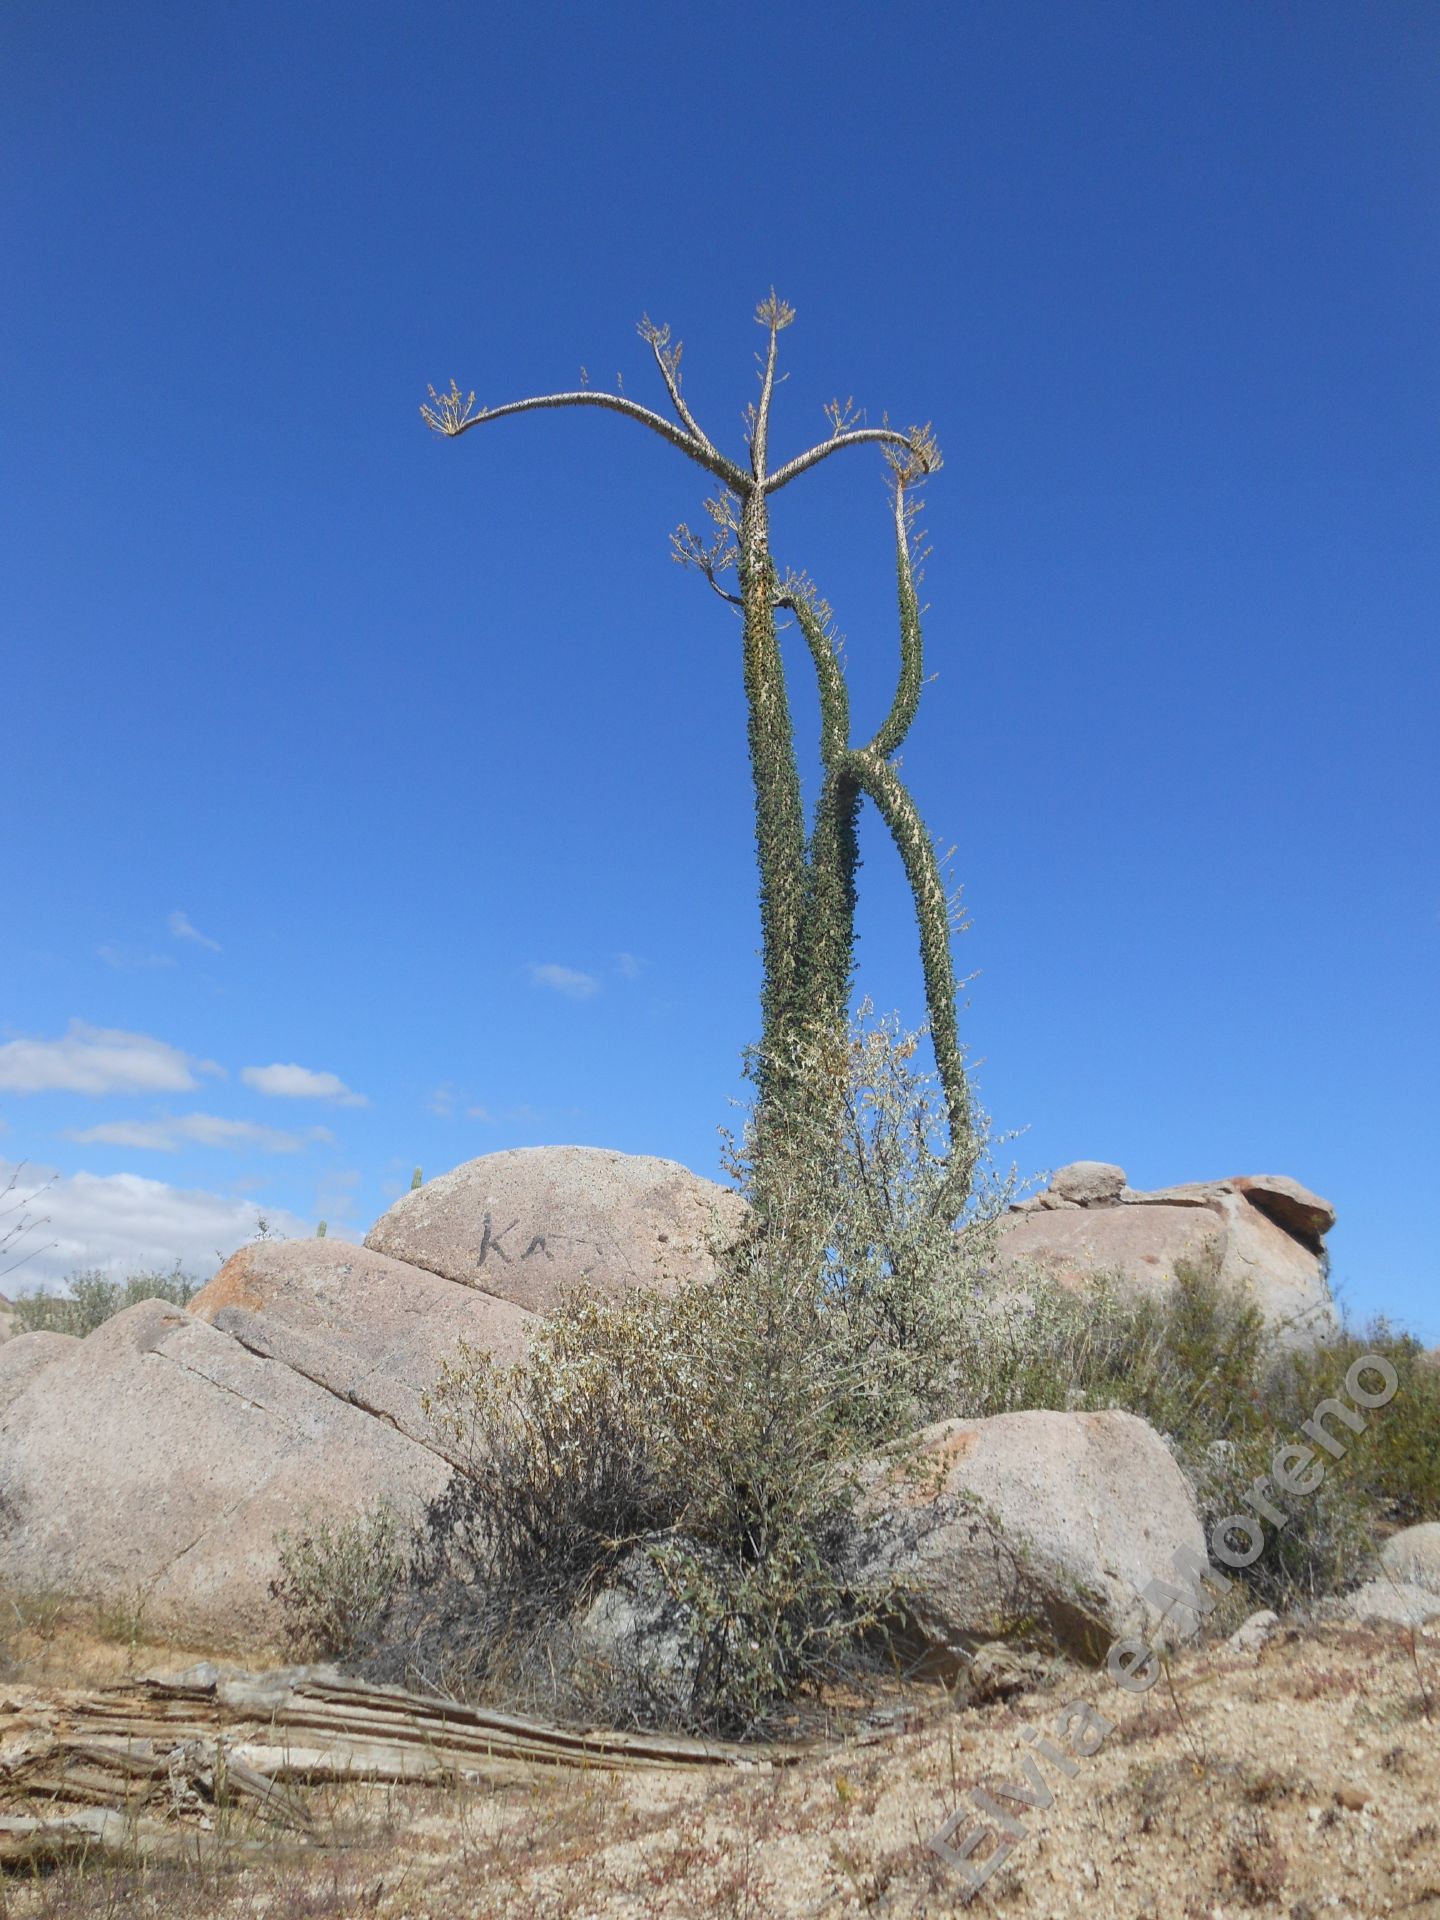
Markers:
<point>153,1464</point>
<point>371,1330</point>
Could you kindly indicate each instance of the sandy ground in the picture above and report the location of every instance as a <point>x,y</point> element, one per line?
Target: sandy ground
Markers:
<point>1300,1780</point>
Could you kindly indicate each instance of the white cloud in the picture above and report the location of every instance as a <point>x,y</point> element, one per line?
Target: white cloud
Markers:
<point>127,957</point>
<point>98,1060</point>
<point>442,1101</point>
<point>301,1083</point>
<point>123,1223</point>
<point>627,966</point>
<point>567,980</point>
<point>171,1134</point>
<point>180,927</point>
<point>482,1114</point>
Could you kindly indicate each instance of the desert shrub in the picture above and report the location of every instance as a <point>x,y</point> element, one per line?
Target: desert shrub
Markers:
<point>716,1438</point>
<point>700,1430</point>
<point>1200,1363</point>
<point>337,1576</point>
<point>898,1288</point>
<point>1389,1472</point>
<point>94,1298</point>
<point>717,1432</point>
<point>1396,1462</point>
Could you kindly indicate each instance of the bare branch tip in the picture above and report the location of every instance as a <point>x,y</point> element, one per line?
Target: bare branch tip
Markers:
<point>918,459</point>
<point>774,313</point>
<point>451,412</point>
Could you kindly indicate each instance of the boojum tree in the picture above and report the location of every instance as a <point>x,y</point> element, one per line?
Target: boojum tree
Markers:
<point>807,882</point>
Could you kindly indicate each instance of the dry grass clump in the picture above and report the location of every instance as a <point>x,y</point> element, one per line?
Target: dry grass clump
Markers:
<point>337,1577</point>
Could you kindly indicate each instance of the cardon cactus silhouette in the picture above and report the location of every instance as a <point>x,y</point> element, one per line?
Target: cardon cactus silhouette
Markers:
<point>807,882</point>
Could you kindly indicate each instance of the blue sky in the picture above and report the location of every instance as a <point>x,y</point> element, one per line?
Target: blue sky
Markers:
<point>375,801</point>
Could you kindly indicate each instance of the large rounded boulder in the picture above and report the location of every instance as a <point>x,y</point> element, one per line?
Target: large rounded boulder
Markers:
<point>532,1223</point>
<point>26,1357</point>
<point>1413,1555</point>
<point>1056,1521</point>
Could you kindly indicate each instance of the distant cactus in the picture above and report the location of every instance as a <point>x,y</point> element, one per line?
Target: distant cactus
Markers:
<point>415,1181</point>
<point>320,1231</point>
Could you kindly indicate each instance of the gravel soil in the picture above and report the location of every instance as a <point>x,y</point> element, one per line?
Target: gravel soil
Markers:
<point>1301,1779</point>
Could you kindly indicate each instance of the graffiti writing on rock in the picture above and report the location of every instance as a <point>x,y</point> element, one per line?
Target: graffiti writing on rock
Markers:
<point>493,1242</point>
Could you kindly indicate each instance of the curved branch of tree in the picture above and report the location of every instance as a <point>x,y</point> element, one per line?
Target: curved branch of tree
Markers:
<point>856,437</point>
<point>912,658</point>
<point>833,854</point>
<point>834,694</point>
<point>878,779</point>
<point>667,359</point>
<point>699,450</point>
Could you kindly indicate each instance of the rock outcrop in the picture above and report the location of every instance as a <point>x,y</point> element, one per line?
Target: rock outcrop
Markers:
<point>1060,1518</point>
<point>156,1461</point>
<point>529,1223</point>
<point>1403,1601</point>
<point>1264,1231</point>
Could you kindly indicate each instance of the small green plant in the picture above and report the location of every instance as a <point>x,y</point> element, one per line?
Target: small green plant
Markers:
<point>1397,1463</point>
<point>416,1182</point>
<point>93,1298</point>
<point>337,1576</point>
<point>320,1230</point>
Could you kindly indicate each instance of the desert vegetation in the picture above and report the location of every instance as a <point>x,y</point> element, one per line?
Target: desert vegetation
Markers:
<point>702,1455</point>
<point>90,1297</point>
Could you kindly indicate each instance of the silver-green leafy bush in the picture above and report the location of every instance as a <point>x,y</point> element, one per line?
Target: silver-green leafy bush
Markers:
<point>337,1575</point>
